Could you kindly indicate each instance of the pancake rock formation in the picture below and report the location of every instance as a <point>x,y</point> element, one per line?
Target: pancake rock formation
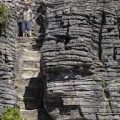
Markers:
<point>81,59</point>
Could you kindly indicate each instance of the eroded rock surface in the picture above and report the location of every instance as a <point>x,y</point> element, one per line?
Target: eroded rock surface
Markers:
<point>13,81</point>
<point>80,59</point>
<point>8,63</point>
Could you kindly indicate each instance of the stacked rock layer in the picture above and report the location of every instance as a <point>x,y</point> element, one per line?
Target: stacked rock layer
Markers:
<point>18,60</point>
<point>8,62</point>
<point>81,59</point>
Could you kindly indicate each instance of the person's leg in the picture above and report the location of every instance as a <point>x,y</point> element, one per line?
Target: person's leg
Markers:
<point>29,28</point>
<point>26,28</point>
<point>23,28</point>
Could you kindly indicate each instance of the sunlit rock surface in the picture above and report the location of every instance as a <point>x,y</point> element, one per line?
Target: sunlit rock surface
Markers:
<point>8,62</point>
<point>81,59</point>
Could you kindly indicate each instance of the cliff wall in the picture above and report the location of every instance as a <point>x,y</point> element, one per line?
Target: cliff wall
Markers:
<point>8,63</point>
<point>13,50</point>
<point>81,60</point>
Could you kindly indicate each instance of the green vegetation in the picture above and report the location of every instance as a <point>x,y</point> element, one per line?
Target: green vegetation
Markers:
<point>118,89</point>
<point>11,113</point>
<point>4,15</point>
<point>103,83</point>
<point>100,79</point>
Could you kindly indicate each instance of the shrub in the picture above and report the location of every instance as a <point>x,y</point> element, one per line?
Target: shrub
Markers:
<point>11,113</point>
<point>4,15</point>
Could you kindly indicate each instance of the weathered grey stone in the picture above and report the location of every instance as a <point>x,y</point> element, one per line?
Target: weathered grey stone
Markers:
<point>8,96</point>
<point>80,59</point>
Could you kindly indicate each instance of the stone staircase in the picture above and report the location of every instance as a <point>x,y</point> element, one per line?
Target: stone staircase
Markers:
<point>27,81</point>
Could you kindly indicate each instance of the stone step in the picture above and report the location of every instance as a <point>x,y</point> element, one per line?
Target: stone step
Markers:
<point>29,114</point>
<point>22,98</point>
<point>29,64</point>
<point>27,82</point>
<point>24,69</point>
<point>21,104</point>
<point>29,105</point>
<point>25,100</point>
<point>30,86</point>
<point>36,47</point>
<point>22,40</point>
<point>29,57</point>
<point>29,74</point>
<point>22,90</point>
<point>21,82</point>
<point>27,51</point>
<point>26,44</point>
<point>31,54</point>
<point>28,40</point>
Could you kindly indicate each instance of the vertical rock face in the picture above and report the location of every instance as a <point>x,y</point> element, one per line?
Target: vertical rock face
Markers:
<point>81,59</point>
<point>8,63</point>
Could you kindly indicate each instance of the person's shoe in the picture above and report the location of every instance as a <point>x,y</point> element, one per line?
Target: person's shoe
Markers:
<point>24,35</point>
<point>30,35</point>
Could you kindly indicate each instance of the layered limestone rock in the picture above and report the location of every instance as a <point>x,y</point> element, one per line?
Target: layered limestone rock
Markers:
<point>8,63</point>
<point>15,76</point>
<point>80,60</point>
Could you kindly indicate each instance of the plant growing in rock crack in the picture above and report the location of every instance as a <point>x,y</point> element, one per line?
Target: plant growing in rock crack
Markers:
<point>118,89</point>
<point>103,83</point>
<point>11,113</point>
<point>106,90</point>
<point>4,15</point>
<point>98,78</point>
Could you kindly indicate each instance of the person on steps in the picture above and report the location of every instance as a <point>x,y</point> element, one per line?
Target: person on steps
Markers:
<point>27,17</point>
